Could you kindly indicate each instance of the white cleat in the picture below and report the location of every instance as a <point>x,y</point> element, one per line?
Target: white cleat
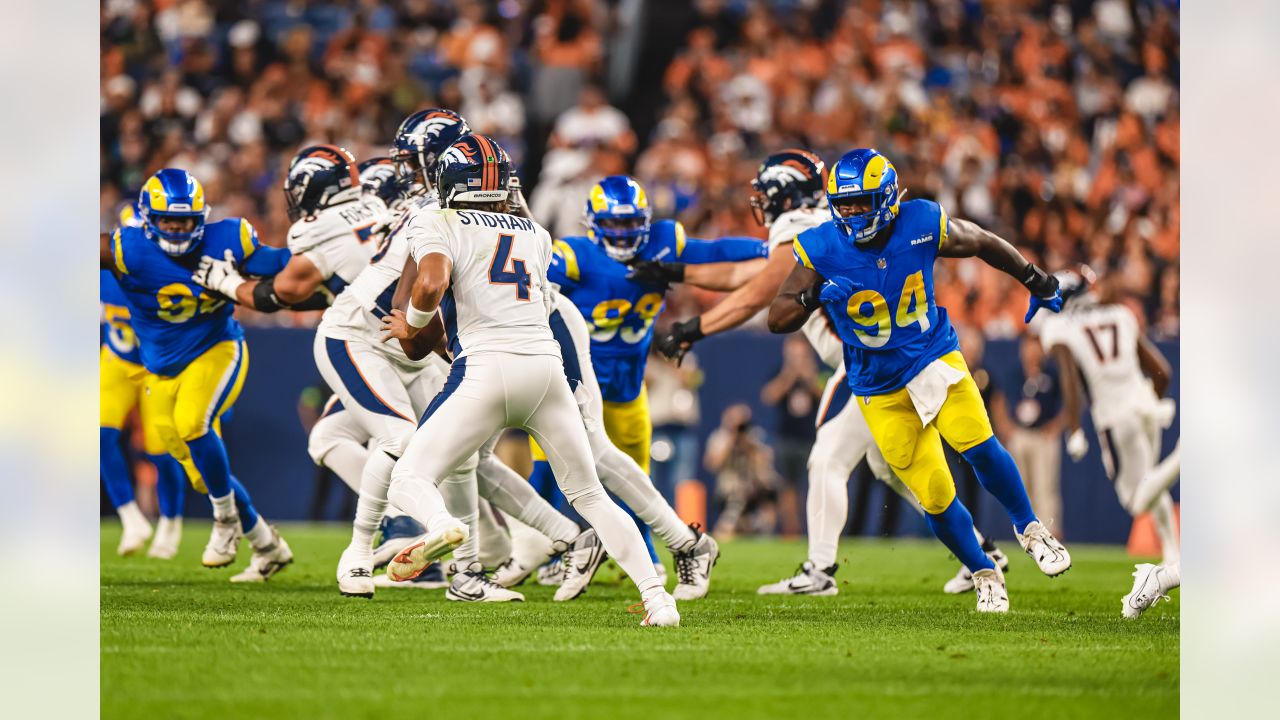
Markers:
<point>1045,549</point>
<point>433,578</point>
<point>411,561</point>
<point>993,597</point>
<point>397,533</point>
<point>660,611</point>
<point>1149,588</point>
<point>809,581</point>
<point>581,561</point>
<point>223,543</point>
<point>472,585</point>
<point>551,574</point>
<point>963,581</point>
<point>693,568</point>
<point>355,572</point>
<point>134,537</point>
<point>267,561</point>
<point>168,536</point>
<point>511,573</point>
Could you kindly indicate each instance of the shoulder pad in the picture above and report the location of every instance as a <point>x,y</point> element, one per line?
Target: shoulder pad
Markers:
<point>793,222</point>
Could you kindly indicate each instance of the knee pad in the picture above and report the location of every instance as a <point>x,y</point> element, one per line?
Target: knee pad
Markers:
<point>938,492</point>
<point>899,443</point>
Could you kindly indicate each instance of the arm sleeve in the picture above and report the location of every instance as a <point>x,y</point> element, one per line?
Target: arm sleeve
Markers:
<point>726,249</point>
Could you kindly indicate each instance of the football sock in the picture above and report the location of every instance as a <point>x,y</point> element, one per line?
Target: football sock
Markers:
<point>491,537</point>
<point>224,506</point>
<point>518,499</point>
<point>210,457</point>
<point>1158,479</point>
<point>645,535</point>
<point>998,473</point>
<point>171,485</point>
<point>420,499</point>
<point>625,479</point>
<point>827,507</point>
<point>113,468</point>
<point>1166,522</point>
<point>371,506</point>
<point>131,515</point>
<point>619,536</point>
<point>954,527</point>
<point>248,513</point>
<point>258,534</point>
<point>462,502</point>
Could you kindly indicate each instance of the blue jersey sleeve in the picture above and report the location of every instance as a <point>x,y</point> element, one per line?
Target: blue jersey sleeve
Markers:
<point>564,269</point>
<point>267,261</point>
<point>726,249</point>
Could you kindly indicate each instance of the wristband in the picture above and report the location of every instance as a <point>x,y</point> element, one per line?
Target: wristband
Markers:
<point>418,318</point>
<point>1040,283</point>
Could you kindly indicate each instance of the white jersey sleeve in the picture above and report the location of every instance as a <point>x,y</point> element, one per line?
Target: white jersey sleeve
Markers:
<point>1103,341</point>
<point>495,301</point>
<point>337,240</point>
<point>817,329</point>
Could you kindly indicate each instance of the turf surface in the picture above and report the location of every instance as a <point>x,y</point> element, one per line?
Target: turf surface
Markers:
<point>179,641</point>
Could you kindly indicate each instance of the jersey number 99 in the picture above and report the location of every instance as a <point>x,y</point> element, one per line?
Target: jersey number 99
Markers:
<point>913,307</point>
<point>178,304</point>
<point>607,318</point>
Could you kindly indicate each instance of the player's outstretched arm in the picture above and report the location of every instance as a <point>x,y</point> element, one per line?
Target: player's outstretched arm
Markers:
<point>967,239</point>
<point>796,300</point>
<point>296,287</point>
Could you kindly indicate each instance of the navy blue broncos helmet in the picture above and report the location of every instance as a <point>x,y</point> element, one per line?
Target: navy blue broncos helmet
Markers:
<point>475,169</point>
<point>787,180</point>
<point>420,140</point>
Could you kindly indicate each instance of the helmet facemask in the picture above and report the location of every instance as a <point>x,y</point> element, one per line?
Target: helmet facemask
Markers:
<point>862,215</point>
<point>174,243</point>
<point>621,236</point>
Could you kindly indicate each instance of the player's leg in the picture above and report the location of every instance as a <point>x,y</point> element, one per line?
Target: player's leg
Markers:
<point>171,483</point>
<point>554,421</point>
<point>338,442</point>
<point>117,395</point>
<point>494,540</point>
<point>629,428</point>
<point>964,424</point>
<point>1132,446</point>
<point>469,583</point>
<point>1159,479</point>
<point>914,453</point>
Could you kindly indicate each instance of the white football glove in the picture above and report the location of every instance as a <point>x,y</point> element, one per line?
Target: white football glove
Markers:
<point>1077,445</point>
<point>219,276</point>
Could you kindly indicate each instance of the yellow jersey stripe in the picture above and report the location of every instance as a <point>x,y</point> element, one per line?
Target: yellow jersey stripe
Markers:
<point>246,239</point>
<point>570,259</point>
<point>680,239</point>
<point>119,252</point>
<point>942,225</point>
<point>800,253</point>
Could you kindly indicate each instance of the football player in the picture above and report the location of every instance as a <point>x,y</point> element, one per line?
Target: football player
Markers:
<point>1106,359</point>
<point>871,266</point>
<point>788,199</point>
<point>592,272</point>
<point>120,390</point>
<point>193,350</point>
<point>485,271</point>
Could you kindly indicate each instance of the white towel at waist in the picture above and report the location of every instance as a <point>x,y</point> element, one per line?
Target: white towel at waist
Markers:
<point>928,389</point>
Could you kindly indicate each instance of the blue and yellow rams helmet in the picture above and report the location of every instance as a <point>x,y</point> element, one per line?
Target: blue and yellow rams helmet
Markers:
<point>618,216</point>
<point>475,169</point>
<point>419,142</point>
<point>862,190</point>
<point>173,195</point>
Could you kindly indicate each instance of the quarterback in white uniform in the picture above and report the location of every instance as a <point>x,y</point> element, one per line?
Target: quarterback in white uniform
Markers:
<point>484,271</point>
<point>1098,341</point>
<point>788,200</point>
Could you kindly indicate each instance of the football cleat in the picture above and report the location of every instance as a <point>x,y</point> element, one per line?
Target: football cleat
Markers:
<point>168,536</point>
<point>411,561</point>
<point>511,573</point>
<point>1149,588</point>
<point>267,561</point>
<point>433,578</point>
<point>963,581</point>
<point>355,572</point>
<point>551,574</point>
<point>659,611</point>
<point>809,581</point>
<point>530,551</point>
<point>993,597</point>
<point>134,537</point>
<point>693,568</point>
<point>472,585</point>
<point>398,533</point>
<point>223,543</point>
<point>581,561</point>
<point>1045,549</point>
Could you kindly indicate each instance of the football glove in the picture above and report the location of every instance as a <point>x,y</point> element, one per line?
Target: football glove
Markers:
<point>675,342</point>
<point>837,291</point>
<point>219,276</point>
<point>656,272</point>
<point>1044,291</point>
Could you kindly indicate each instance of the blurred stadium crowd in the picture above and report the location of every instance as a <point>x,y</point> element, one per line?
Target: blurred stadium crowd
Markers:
<point>1052,122</point>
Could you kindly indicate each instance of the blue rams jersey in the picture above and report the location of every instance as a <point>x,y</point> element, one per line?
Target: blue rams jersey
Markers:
<point>619,311</point>
<point>890,324</point>
<point>175,319</point>
<point>117,331</point>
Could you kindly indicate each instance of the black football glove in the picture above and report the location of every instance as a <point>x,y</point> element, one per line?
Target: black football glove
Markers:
<point>674,343</point>
<point>656,272</point>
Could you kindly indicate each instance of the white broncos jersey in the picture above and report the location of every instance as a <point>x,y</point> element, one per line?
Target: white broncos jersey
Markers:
<point>498,299</point>
<point>337,240</point>
<point>1103,340</point>
<point>822,336</point>
<point>357,313</point>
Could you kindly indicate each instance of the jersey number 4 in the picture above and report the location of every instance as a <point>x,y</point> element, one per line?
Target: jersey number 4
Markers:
<point>506,270</point>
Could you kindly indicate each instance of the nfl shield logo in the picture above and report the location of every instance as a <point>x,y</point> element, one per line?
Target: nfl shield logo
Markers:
<point>880,263</point>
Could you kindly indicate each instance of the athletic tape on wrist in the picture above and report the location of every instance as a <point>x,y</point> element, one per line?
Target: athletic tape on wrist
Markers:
<point>418,318</point>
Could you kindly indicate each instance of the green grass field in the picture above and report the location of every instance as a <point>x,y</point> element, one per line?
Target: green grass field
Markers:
<point>179,641</point>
